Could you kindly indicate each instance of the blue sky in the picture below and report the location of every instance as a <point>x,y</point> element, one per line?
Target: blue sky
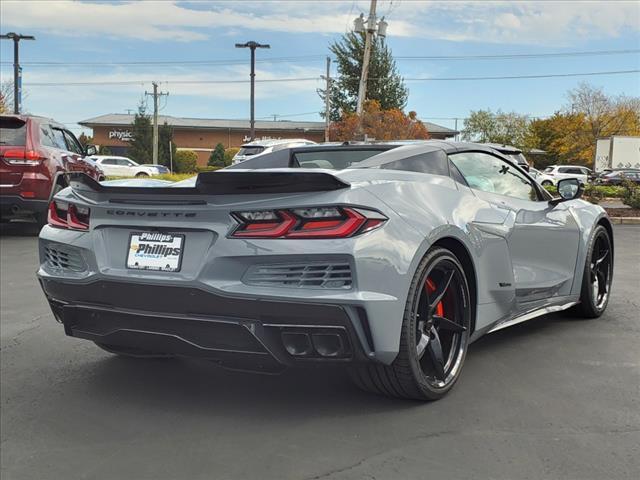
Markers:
<point>299,33</point>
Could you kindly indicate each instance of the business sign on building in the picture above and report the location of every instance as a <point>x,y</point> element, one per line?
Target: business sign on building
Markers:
<point>122,135</point>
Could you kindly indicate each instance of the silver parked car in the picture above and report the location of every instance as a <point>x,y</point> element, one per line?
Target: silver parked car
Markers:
<point>261,147</point>
<point>390,267</point>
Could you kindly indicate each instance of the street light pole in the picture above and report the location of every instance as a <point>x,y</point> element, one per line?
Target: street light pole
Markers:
<point>17,71</point>
<point>252,46</point>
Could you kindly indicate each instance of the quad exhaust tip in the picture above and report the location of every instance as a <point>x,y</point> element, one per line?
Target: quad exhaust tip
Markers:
<point>309,345</point>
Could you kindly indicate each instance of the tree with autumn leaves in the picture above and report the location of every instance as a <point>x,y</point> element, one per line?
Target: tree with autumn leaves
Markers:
<point>386,95</point>
<point>378,124</point>
<point>569,135</point>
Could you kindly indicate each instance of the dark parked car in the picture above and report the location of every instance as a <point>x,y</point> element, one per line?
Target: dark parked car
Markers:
<point>618,177</point>
<point>32,151</point>
<point>513,153</point>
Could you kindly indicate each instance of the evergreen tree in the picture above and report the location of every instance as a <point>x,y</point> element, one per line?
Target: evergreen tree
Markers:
<point>384,83</point>
<point>165,138</point>
<point>141,149</point>
<point>217,156</point>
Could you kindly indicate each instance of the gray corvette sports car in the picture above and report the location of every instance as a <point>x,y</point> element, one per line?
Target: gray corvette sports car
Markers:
<point>389,267</point>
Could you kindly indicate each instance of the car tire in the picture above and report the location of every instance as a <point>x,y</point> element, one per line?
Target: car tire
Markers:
<point>415,375</point>
<point>131,352</point>
<point>546,183</point>
<point>597,276</point>
<point>141,174</point>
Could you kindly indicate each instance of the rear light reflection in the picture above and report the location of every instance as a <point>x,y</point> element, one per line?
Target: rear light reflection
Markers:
<point>23,157</point>
<point>63,215</point>
<point>316,222</point>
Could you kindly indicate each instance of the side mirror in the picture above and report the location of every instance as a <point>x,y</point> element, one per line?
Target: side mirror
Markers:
<point>90,150</point>
<point>568,189</point>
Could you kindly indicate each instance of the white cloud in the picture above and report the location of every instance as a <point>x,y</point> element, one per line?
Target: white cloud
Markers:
<point>534,22</point>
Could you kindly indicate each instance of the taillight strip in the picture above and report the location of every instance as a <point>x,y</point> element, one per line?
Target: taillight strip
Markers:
<point>72,220</point>
<point>307,223</point>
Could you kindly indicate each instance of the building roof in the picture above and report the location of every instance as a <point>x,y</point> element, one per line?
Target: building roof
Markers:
<point>124,120</point>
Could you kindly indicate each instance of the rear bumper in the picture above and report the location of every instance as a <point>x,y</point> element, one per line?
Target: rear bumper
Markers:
<point>13,206</point>
<point>249,334</point>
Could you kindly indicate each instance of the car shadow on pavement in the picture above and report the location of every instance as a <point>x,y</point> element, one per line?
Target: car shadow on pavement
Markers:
<point>202,387</point>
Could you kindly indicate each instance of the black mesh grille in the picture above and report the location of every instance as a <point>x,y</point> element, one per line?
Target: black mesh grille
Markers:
<point>64,258</point>
<point>317,275</point>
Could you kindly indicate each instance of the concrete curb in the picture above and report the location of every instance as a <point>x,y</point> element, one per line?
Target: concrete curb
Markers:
<point>625,220</point>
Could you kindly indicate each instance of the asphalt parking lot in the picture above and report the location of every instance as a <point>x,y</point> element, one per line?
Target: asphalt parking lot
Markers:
<point>555,398</point>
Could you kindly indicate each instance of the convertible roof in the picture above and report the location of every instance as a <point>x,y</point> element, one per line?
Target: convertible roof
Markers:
<point>421,148</point>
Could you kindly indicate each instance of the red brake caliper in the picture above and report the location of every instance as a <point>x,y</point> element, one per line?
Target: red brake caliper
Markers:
<point>430,287</point>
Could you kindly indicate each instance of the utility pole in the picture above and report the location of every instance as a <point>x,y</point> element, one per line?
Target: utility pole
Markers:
<point>252,46</point>
<point>371,28</point>
<point>17,70</point>
<point>155,119</point>
<point>327,101</point>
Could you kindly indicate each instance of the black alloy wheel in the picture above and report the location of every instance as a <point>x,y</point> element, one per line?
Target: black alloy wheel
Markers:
<point>597,276</point>
<point>435,334</point>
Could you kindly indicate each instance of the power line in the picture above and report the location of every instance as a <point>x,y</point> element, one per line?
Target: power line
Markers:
<point>172,82</point>
<point>514,56</point>
<point>171,62</point>
<point>314,57</point>
<point>309,79</point>
<point>512,77</point>
<point>290,115</point>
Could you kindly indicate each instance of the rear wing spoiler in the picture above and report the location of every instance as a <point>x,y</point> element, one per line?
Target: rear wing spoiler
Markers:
<point>223,183</point>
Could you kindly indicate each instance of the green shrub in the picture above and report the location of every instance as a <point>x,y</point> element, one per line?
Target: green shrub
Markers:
<point>631,195</point>
<point>229,153</point>
<point>596,192</point>
<point>186,161</point>
<point>207,169</point>
<point>217,156</point>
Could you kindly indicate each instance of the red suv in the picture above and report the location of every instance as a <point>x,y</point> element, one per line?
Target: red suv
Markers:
<point>32,150</point>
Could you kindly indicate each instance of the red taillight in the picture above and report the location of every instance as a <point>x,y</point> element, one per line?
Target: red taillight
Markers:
<point>70,216</point>
<point>23,157</point>
<point>315,222</point>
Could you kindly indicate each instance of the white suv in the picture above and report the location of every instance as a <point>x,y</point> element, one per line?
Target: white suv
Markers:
<point>558,172</point>
<point>542,178</point>
<point>113,166</point>
<point>260,147</point>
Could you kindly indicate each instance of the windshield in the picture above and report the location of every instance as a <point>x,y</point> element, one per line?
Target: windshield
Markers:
<point>333,159</point>
<point>247,151</point>
<point>548,169</point>
<point>13,131</point>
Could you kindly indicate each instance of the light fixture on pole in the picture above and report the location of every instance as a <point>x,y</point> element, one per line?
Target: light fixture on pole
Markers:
<point>252,45</point>
<point>17,70</point>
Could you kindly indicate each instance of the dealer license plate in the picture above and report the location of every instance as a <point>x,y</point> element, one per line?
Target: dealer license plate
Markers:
<point>155,251</point>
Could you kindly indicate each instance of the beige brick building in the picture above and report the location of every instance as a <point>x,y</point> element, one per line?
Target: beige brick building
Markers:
<point>203,134</point>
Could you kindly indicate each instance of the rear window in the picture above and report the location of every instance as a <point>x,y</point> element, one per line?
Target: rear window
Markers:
<point>518,158</point>
<point>333,159</point>
<point>434,163</point>
<point>13,131</point>
<point>248,151</point>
